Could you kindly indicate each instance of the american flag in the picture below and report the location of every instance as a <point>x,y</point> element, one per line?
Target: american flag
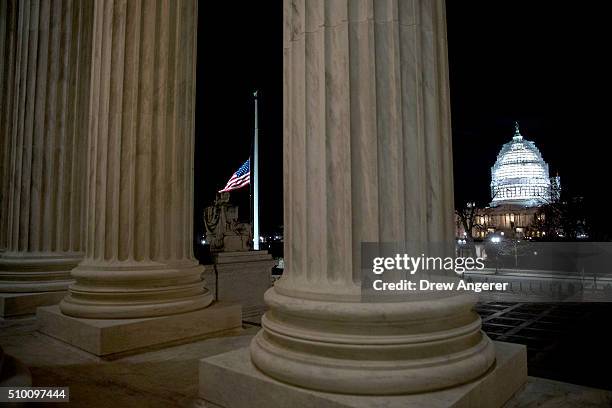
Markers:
<point>240,178</point>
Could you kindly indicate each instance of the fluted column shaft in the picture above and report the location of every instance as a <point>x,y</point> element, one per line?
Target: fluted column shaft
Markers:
<point>139,259</point>
<point>43,122</point>
<point>8,45</point>
<point>368,158</point>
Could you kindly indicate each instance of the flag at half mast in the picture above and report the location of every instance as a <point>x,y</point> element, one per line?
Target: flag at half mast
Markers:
<point>240,178</point>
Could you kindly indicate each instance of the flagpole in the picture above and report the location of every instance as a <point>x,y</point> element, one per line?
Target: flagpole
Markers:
<point>255,175</point>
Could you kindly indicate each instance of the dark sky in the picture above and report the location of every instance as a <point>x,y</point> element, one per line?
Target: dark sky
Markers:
<point>239,50</point>
<point>538,62</point>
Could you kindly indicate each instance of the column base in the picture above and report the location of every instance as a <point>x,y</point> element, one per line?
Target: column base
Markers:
<point>104,337</point>
<point>18,304</point>
<point>135,289</point>
<point>28,272</point>
<point>230,380</point>
<point>241,277</point>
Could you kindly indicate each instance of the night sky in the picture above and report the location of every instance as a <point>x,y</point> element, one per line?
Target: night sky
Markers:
<point>239,51</point>
<point>538,62</point>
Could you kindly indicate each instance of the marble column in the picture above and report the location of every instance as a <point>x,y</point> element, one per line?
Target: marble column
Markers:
<point>139,258</point>
<point>8,43</point>
<point>368,158</point>
<point>43,119</point>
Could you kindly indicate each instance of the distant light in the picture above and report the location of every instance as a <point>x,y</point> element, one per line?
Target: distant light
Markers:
<point>203,242</point>
<point>495,240</point>
<point>502,233</point>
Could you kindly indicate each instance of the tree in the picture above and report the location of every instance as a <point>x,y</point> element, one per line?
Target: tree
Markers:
<point>560,217</point>
<point>467,218</point>
<point>467,215</point>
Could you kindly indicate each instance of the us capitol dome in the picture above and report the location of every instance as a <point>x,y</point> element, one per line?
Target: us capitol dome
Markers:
<point>520,175</point>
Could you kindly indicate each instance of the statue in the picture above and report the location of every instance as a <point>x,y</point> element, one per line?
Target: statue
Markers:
<point>223,231</point>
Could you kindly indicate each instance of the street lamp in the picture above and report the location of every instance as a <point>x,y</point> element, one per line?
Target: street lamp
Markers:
<point>496,240</point>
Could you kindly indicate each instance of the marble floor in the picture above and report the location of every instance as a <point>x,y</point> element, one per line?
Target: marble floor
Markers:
<point>565,341</point>
<point>168,377</point>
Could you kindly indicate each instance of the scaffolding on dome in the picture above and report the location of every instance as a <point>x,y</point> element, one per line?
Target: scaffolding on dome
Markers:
<point>520,175</point>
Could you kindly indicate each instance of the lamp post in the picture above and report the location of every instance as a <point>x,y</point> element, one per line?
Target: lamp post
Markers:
<point>496,240</point>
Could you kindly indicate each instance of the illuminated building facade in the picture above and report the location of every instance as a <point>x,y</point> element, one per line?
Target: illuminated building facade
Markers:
<point>520,185</point>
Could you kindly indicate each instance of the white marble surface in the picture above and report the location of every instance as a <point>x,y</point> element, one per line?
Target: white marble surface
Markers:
<point>43,128</point>
<point>17,304</point>
<point>139,221</point>
<point>241,277</point>
<point>368,158</point>
<point>543,393</point>
<point>157,377</point>
<point>104,337</point>
<point>230,380</point>
<point>168,377</point>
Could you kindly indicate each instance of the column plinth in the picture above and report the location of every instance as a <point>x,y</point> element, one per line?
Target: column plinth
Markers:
<point>368,158</point>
